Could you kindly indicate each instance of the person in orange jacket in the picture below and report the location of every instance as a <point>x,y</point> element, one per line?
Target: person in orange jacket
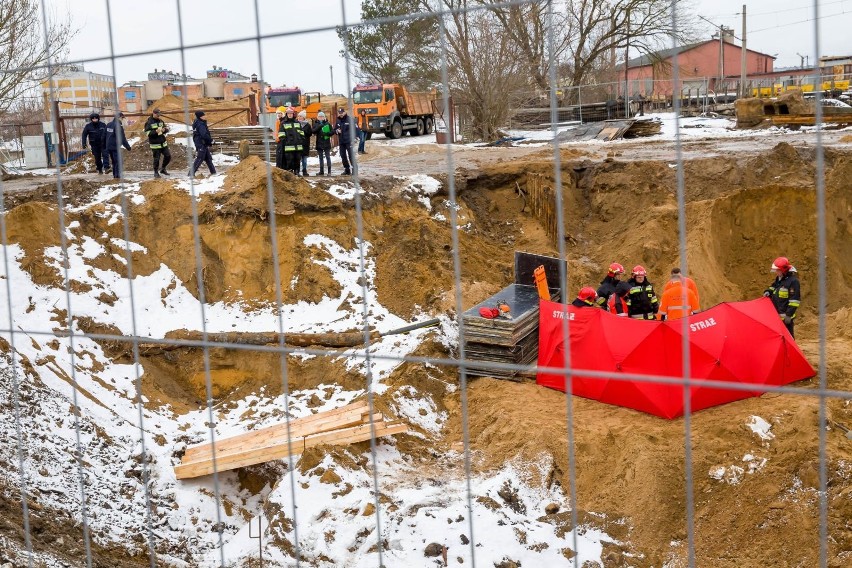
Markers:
<point>679,300</point>
<point>690,283</point>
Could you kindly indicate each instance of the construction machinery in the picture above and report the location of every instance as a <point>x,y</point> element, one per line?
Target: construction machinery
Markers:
<point>392,110</point>
<point>311,103</point>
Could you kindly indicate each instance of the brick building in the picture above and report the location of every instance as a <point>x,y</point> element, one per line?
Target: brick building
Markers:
<point>78,91</point>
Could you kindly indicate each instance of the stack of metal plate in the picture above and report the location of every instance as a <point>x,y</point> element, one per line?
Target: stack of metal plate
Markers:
<point>512,337</point>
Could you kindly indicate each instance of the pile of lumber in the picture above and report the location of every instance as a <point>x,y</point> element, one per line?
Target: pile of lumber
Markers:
<point>641,128</point>
<point>345,425</point>
<point>227,140</point>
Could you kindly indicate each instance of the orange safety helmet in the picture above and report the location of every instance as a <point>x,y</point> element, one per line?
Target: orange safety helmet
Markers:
<point>781,263</point>
<point>616,268</point>
<point>587,294</point>
<point>639,270</point>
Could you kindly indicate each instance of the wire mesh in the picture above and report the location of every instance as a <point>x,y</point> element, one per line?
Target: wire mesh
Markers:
<point>446,13</point>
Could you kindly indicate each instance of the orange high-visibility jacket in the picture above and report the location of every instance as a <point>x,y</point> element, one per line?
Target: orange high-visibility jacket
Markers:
<point>690,283</point>
<point>678,301</point>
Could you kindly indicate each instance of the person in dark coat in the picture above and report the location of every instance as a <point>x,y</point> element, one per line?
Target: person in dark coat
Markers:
<point>641,299</point>
<point>203,141</point>
<point>114,139</point>
<point>585,298</point>
<point>611,284</point>
<point>156,130</point>
<point>323,133</point>
<point>95,133</point>
<point>307,131</point>
<point>344,140</point>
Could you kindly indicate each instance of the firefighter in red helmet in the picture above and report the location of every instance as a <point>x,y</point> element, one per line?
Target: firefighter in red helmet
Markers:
<point>642,302</point>
<point>784,291</point>
<point>612,291</point>
<point>585,298</point>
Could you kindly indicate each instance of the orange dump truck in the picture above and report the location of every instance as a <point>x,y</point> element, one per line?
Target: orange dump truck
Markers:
<point>311,103</point>
<point>393,110</point>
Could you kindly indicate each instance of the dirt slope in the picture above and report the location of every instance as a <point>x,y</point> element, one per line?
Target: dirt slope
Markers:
<point>742,211</point>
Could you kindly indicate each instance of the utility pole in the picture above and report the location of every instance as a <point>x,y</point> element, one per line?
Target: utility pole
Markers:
<point>626,70</point>
<point>331,70</point>
<point>743,93</point>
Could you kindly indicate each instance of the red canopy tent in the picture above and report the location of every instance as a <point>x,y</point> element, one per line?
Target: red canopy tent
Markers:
<point>737,342</point>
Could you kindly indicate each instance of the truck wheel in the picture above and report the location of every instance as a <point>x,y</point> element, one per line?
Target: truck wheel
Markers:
<point>396,130</point>
<point>421,128</point>
<point>429,125</point>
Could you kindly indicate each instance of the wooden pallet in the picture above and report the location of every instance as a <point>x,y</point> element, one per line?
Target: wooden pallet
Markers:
<point>346,425</point>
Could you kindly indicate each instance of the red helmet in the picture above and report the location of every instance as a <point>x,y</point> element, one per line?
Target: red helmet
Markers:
<point>616,268</point>
<point>639,270</point>
<point>587,294</point>
<point>781,263</point>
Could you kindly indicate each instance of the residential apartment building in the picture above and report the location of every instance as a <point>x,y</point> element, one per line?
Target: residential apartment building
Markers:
<point>78,91</point>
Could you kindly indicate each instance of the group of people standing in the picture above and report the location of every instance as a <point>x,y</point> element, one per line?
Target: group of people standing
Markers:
<point>105,140</point>
<point>636,297</point>
<point>293,133</point>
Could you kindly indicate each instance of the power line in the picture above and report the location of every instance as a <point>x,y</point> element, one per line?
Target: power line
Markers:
<point>799,22</point>
<point>773,12</point>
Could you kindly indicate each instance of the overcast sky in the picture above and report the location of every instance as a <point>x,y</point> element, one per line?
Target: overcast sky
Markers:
<point>785,28</point>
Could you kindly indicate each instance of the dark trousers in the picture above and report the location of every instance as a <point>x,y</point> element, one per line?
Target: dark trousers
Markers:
<point>203,155</point>
<point>116,170</point>
<point>101,157</point>
<point>167,157</point>
<point>293,161</point>
<point>789,327</point>
<point>279,155</point>
<point>348,157</point>
<point>327,153</point>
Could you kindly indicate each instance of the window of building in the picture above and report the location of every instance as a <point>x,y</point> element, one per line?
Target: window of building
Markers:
<point>238,91</point>
<point>129,95</point>
<point>177,93</point>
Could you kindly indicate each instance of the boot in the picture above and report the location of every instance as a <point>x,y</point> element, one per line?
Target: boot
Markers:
<point>164,172</point>
<point>156,174</point>
<point>321,173</point>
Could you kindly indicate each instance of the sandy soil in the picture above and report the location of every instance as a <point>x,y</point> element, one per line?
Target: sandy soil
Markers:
<point>748,200</point>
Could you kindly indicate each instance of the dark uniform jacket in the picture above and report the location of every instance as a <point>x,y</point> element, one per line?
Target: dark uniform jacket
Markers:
<point>345,136</point>
<point>201,134</point>
<point>156,141</point>
<point>641,299</point>
<point>578,303</point>
<point>115,136</point>
<point>290,135</point>
<point>609,286</point>
<point>785,294</point>
<point>323,132</point>
<point>95,132</point>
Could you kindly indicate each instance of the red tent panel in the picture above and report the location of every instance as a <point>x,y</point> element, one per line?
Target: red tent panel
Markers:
<point>737,342</point>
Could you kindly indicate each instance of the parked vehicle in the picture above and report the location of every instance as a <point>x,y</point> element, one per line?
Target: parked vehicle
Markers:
<point>393,110</point>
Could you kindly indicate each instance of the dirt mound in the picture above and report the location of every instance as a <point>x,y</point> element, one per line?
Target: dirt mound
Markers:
<point>75,192</point>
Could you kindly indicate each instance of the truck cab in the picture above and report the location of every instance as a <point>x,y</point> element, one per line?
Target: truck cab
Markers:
<point>391,109</point>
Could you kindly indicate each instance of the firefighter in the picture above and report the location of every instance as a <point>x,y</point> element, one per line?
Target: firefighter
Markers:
<point>307,131</point>
<point>585,298</point>
<point>690,283</point>
<point>784,291</point>
<point>612,291</point>
<point>291,137</point>
<point>679,300</point>
<point>156,130</point>
<point>642,302</point>
<point>323,132</point>
<point>95,132</point>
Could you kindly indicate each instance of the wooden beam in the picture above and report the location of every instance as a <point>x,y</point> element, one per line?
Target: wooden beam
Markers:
<point>256,455</point>
<point>349,414</point>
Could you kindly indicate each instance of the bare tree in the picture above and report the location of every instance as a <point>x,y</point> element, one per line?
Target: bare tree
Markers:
<point>598,29</point>
<point>24,54</point>
<point>529,26</point>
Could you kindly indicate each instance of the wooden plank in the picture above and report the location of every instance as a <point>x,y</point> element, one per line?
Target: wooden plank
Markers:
<point>261,455</point>
<point>193,453</point>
